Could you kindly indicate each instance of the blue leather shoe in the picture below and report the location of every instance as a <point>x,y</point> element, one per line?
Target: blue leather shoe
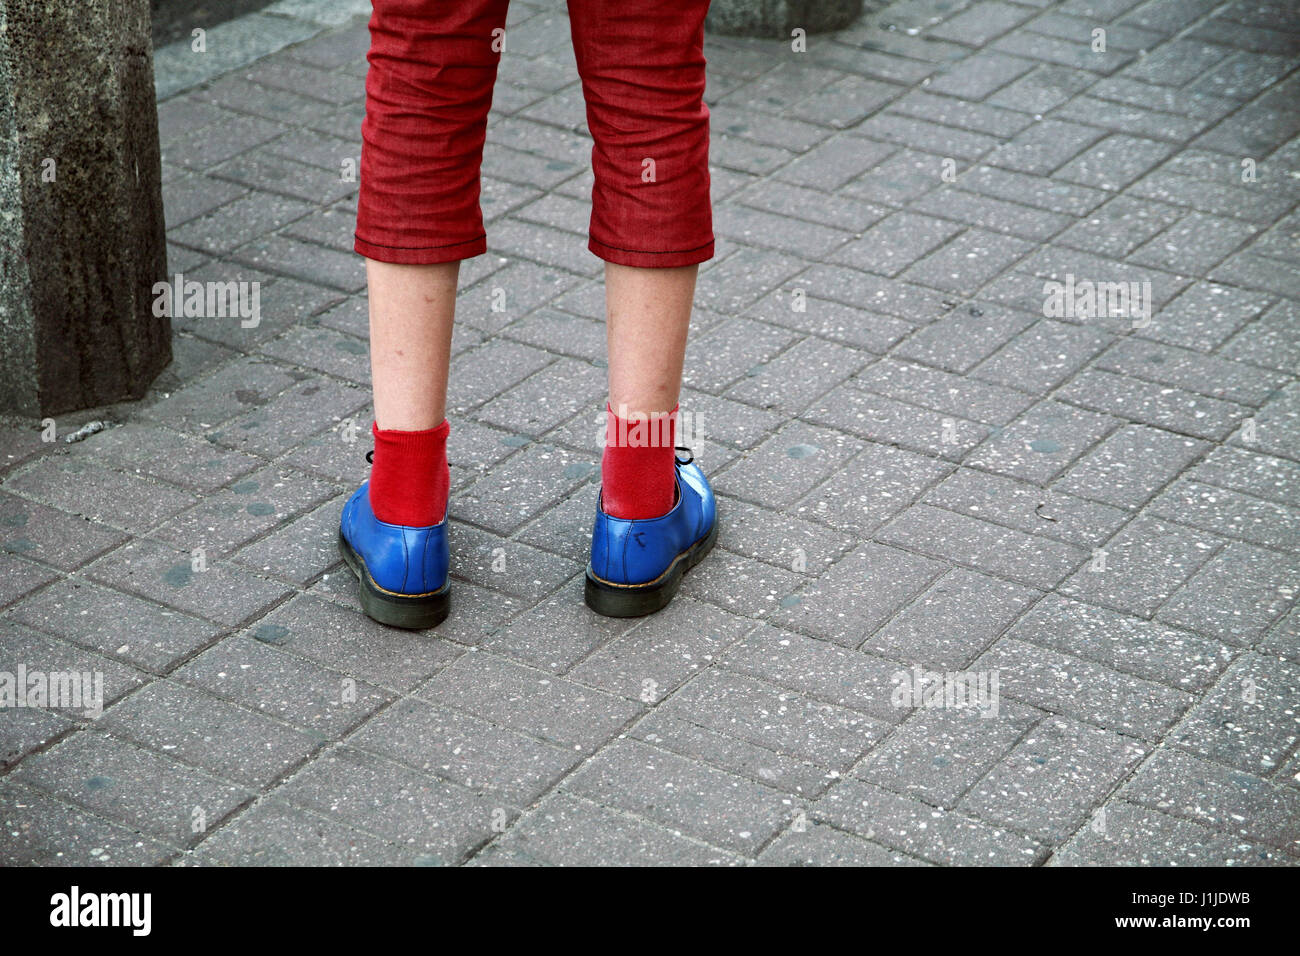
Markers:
<point>402,571</point>
<point>637,565</point>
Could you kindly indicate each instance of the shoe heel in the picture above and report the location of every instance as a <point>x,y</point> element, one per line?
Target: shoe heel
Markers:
<point>613,600</point>
<point>411,613</point>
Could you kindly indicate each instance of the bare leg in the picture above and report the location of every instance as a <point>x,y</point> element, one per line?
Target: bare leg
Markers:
<point>648,312</point>
<point>411,312</point>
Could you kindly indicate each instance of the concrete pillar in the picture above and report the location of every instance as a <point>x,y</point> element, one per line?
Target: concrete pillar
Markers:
<point>82,238</point>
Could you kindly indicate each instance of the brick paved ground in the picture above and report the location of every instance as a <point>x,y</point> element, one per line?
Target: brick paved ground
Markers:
<point>919,467</point>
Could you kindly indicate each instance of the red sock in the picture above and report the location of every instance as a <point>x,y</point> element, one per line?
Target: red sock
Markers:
<point>409,480</point>
<point>637,476</point>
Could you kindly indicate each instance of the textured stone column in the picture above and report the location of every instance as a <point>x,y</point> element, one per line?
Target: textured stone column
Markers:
<point>81,221</point>
<point>776,18</point>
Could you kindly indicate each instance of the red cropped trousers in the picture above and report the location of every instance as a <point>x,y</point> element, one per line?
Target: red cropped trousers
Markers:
<point>433,64</point>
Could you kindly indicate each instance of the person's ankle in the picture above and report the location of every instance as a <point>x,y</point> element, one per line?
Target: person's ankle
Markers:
<point>409,478</point>
<point>638,479</point>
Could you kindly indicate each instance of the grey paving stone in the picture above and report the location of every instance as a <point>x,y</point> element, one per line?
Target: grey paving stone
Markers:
<point>939,753</point>
<point>166,455</point>
<point>858,594</point>
<point>1229,513</point>
<point>148,793</point>
<point>300,550</point>
<point>1087,691</point>
<point>1208,375</point>
<point>336,637</point>
<point>995,214</point>
<point>1035,191</point>
<point>1249,720</point>
<point>1147,649</point>
<point>1051,780</point>
<point>1261,476</point>
<point>724,751</point>
<point>46,534</point>
<point>1142,566</point>
<point>1213,198</point>
<point>819,668</point>
<point>547,398</point>
<point>975,77</point>
<point>24,730</point>
<point>952,622</point>
<point>167,575</point>
<point>1123,834</point>
<point>787,465</point>
<point>969,261</point>
<point>1130,466</point>
<point>274,833</point>
<point>723,356</point>
<point>92,617</point>
<point>533,702</point>
<point>508,567</point>
<point>720,808</point>
<point>108,497</point>
<point>798,376</point>
<point>1044,147</point>
<point>1043,442</point>
<point>919,829</point>
<point>557,633</point>
<point>231,390</point>
<point>21,577</point>
<point>1237,595</point>
<point>1226,800</point>
<point>896,242</point>
<point>258,677</point>
<point>658,655</point>
<point>774,718</point>
<point>465,750</point>
<point>209,733</point>
<point>522,487</point>
<point>820,845</point>
<point>870,489</point>
<point>1027,507</point>
<point>964,337</point>
<point>1119,226</point>
<point>741,585</point>
<point>780,539</point>
<point>862,290</point>
<point>883,420</point>
<point>42,831</point>
<point>1042,356</point>
<point>805,202</point>
<point>226,519</point>
<point>41,654</point>
<point>439,822</point>
<point>1006,552</point>
<point>1277,425</point>
<point>1273,342</point>
<point>1047,86</point>
<point>947,141</point>
<point>290,417</point>
<point>567,831</point>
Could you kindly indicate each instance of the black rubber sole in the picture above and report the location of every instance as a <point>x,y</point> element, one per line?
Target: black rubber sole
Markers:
<point>638,600</point>
<point>412,613</point>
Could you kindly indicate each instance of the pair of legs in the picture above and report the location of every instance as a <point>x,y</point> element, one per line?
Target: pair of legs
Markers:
<point>432,71</point>
<point>433,66</point>
<point>412,308</point>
